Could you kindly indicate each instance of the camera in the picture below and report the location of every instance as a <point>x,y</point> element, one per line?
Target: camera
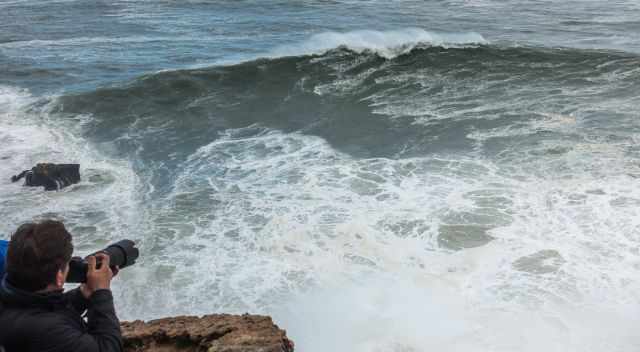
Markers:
<point>121,254</point>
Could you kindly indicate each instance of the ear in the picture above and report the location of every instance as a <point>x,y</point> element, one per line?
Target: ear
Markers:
<point>61,277</point>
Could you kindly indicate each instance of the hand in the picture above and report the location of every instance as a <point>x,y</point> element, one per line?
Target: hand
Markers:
<point>97,279</point>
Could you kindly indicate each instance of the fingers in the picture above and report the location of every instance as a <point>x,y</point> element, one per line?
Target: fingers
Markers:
<point>98,278</point>
<point>104,261</point>
<point>91,261</point>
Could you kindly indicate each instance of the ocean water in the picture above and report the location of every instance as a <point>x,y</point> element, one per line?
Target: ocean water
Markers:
<point>456,175</point>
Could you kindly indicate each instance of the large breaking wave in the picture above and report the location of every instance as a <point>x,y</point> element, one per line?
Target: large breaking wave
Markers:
<point>431,99</point>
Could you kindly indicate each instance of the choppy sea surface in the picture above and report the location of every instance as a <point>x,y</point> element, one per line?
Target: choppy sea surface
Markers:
<point>456,175</point>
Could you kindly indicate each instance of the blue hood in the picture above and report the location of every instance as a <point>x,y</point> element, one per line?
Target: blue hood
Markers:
<point>3,254</point>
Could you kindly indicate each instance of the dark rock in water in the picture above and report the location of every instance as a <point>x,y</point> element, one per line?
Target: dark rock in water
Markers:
<point>210,333</point>
<point>52,176</point>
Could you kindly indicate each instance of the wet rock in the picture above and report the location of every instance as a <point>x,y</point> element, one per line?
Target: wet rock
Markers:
<point>51,176</point>
<point>210,333</point>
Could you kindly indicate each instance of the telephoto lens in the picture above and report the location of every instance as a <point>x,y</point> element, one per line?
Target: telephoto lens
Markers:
<point>121,254</point>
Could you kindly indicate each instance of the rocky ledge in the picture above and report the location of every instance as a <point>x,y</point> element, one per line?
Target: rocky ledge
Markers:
<point>210,333</point>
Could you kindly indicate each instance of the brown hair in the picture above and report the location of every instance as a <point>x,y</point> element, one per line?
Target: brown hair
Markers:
<point>35,254</point>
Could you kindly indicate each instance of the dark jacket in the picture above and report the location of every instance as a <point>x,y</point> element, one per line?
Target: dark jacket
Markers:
<point>52,322</point>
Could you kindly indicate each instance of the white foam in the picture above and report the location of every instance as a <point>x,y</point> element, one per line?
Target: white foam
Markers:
<point>397,312</point>
<point>344,252</point>
<point>387,44</point>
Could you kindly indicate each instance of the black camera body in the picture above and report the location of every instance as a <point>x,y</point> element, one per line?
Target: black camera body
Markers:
<point>121,254</point>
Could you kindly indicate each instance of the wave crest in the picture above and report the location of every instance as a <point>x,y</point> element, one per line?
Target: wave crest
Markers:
<point>387,44</point>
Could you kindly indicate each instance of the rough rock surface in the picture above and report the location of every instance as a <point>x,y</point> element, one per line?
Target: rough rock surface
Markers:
<point>210,333</point>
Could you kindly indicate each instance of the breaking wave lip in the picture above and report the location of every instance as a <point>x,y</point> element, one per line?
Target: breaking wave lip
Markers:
<point>387,44</point>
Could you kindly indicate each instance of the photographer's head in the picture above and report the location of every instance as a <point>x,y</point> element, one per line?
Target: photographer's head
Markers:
<point>38,256</point>
<point>36,314</point>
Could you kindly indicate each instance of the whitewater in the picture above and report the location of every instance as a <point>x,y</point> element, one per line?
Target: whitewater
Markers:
<point>457,176</point>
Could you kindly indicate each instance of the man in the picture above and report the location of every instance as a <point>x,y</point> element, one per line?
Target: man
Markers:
<point>35,314</point>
